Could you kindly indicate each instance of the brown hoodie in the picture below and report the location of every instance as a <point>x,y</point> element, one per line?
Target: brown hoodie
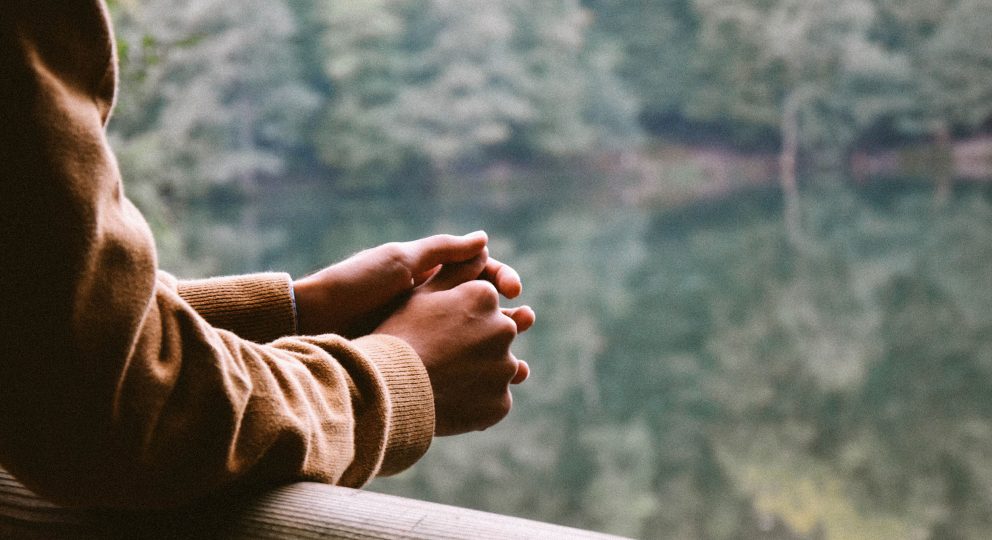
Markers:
<point>121,387</point>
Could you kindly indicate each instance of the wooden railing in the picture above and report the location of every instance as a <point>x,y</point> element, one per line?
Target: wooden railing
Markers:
<point>301,510</point>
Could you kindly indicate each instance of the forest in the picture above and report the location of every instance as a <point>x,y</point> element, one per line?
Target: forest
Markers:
<point>757,233</point>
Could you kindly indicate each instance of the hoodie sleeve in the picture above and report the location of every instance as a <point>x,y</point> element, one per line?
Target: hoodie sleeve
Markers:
<point>114,390</point>
<point>257,307</point>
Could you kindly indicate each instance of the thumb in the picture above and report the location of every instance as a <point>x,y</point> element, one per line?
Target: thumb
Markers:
<point>453,275</point>
<point>428,253</point>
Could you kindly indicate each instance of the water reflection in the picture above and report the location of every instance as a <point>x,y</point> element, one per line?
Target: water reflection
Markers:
<point>694,374</point>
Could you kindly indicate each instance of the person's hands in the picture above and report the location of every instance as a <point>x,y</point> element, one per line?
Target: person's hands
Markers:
<point>352,297</point>
<point>463,337</point>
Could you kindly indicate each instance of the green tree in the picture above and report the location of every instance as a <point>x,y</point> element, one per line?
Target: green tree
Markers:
<point>657,42</point>
<point>953,76</point>
<point>453,82</point>
<point>813,69</point>
<point>211,96</point>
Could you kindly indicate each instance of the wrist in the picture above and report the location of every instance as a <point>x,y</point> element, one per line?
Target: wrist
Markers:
<point>296,310</point>
<point>308,299</point>
<point>323,303</point>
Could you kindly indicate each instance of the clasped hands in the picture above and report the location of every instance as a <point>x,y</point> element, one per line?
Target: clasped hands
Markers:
<point>441,295</point>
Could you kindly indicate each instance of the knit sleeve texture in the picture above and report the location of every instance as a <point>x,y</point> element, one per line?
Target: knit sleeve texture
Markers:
<point>257,307</point>
<point>122,388</point>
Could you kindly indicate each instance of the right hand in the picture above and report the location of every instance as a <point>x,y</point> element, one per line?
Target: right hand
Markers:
<point>353,297</point>
<point>463,337</point>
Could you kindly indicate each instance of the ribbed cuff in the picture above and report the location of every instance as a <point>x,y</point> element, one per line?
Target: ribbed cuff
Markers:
<point>256,307</point>
<point>411,422</point>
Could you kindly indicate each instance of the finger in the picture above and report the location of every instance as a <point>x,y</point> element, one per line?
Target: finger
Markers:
<point>433,251</point>
<point>523,372</point>
<point>524,316</point>
<point>421,278</point>
<point>453,275</point>
<point>504,277</point>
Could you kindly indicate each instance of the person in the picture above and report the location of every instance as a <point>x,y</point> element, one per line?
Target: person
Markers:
<point>123,387</point>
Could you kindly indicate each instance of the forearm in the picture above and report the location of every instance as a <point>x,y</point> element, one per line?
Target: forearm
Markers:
<point>256,307</point>
<point>114,391</point>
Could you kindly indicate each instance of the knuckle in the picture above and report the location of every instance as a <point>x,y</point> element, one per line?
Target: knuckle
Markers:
<point>504,330</point>
<point>503,405</point>
<point>484,292</point>
<point>508,326</point>
<point>442,239</point>
<point>508,369</point>
<point>498,400</point>
<point>396,257</point>
<point>498,409</point>
<point>394,252</point>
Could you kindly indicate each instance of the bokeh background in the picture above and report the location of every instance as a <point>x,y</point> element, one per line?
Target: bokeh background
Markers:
<point>757,233</point>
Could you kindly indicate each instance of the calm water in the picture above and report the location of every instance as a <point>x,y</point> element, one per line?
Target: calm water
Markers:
<point>693,374</point>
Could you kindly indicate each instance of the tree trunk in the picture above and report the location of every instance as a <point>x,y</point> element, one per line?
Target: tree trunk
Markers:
<point>943,165</point>
<point>787,168</point>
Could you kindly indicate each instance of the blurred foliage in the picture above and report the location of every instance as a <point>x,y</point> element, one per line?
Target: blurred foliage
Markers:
<point>695,375</point>
<point>697,378</point>
<point>213,101</point>
<point>453,81</point>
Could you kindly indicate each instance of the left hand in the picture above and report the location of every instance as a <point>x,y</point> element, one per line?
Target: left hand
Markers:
<point>353,297</point>
<point>455,324</point>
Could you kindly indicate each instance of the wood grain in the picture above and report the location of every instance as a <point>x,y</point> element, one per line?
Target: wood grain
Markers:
<point>300,510</point>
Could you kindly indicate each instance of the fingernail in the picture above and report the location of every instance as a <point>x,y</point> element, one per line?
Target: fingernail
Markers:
<point>476,233</point>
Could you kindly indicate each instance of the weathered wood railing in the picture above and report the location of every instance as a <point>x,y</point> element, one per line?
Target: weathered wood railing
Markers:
<point>301,510</point>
